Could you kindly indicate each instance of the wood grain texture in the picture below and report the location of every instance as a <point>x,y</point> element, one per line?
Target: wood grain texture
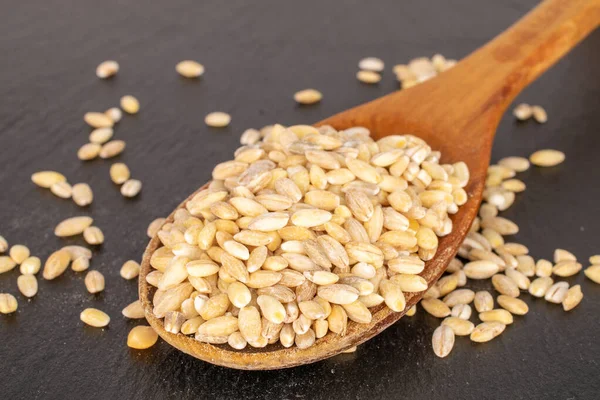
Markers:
<point>456,113</point>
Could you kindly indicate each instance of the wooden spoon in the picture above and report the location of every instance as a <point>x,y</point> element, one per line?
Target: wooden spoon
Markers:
<point>456,113</point>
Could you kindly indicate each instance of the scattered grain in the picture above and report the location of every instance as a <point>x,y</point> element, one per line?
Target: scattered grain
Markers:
<point>56,264</point>
<point>557,292</point>
<point>593,273</point>
<point>98,120</point>
<point>130,104</point>
<point>539,114</point>
<point>80,264</point>
<point>8,303</point>
<point>134,310</point>
<point>94,282</point>
<point>93,235</point>
<point>28,285</point>
<point>131,188</point>
<point>308,96</point>
<point>19,253</point>
<point>72,226</point>
<point>547,158</point>
<point>189,69</point>
<point>106,69</point>
<point>112,149</point>
<point>371,64</point>
<point>523,112</point>
<point>217,119</point>
<point>573,298</point>
<point>114,113</point>
<point>486,331</point>
<point>119,173</point>
<point>46,179</point>
<point>142,337</point>
<point>94,317</point>
<point>369,77</point>
<point>130,270</point>
<point>31,265</point>
<point>443,341</point>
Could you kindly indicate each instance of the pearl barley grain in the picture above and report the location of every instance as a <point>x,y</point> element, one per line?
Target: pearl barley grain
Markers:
<point>443,341</point>
<point>93,235</point>
<point>141,337</point>
<point>547,158</point>
<point>80,264</point>
<point>98,120</point>
<point>523,111</point>
<point>19,253</point>
<point>217,119</point>
<point>101,135</point>
<point>539,114</point>
<point>88,151</point>
<point>82,194</point>
<point>308,96</point>
<point>3,244</point>
<point>94,282</point>
<point>119,173</point>
<point>62,190</point>
<point>131,188</point>
<point>130,104</point>
<point>28,285</point>
<point>31,265</point>
<point>369,77</point>
<point>94,317</point>
<point>8,303</point>
<point>46,179</point>
<point>114,113</point>
<point>189,69</point>
<point>106,69</point>
<point>371,64</point>
<point>112,149</point>
<point>130,270</point>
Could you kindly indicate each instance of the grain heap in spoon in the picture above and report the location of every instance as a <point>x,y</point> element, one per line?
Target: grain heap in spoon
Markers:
<point>303,233</point>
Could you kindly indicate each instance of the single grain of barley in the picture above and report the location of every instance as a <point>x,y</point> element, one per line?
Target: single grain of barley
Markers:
<point>27,285</point>
<point>189,69</point>
<point>369,77</point>
<point>8,303</point>
<point>94,317</point>
<point>442,341</point>
<point>130,270</point>
<point>19,253</point>
<point>130,104</point>
<point>217,119</point>
<point>31,265</point>
<point>46,179</point>
<point>142,337</point>
<point>119,173</point>
<point>308,96</point>
<point>106,69</point>
<point>94,282</point>
<point>131,188</point>
<point>547,158</point>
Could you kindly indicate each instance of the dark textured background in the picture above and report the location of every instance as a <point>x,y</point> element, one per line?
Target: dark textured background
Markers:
<point>257,54</point>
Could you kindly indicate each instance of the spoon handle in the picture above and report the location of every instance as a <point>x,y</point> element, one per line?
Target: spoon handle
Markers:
<point>492,76</point>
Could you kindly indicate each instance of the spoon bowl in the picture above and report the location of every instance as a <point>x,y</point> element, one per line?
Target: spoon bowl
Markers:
<point>456,113</point>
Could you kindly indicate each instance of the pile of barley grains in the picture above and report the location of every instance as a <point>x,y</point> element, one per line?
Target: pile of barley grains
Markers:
<point>301,234</point>
<point>507,266</point>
